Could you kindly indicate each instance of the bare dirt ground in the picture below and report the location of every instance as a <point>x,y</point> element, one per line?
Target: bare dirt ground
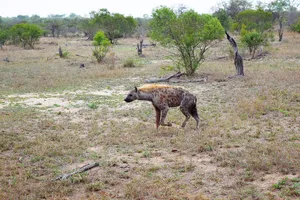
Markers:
<point>56,117</point>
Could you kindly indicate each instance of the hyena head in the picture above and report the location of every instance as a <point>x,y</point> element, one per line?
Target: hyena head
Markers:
<point>133,95</point>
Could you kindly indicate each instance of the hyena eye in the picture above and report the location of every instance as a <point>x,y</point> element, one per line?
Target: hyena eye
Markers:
<point>130,95</point>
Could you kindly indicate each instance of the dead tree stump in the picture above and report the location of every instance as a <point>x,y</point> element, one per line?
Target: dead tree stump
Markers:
<point>140,48</point>
<point>60,52</point>
<point>238,59</point>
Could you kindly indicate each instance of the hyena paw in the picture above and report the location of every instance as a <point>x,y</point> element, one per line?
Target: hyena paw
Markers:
<point>167,124</point>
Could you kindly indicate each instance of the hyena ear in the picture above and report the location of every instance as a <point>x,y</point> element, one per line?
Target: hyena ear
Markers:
<point>135,88</point>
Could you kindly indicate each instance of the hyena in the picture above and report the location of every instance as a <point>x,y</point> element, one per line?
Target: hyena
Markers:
<point>164,97</point>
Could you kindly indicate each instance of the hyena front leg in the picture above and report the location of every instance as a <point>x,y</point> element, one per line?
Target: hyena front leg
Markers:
<point>157,112</point>
<point>164,113</point>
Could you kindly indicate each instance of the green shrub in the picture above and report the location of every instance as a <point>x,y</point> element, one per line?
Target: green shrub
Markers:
<point>296,26</point>
<point>26,34</point>
<point>93,105</point>
<point>129,63</point>
<point>189,34</point>
<point>101,44</point>
<point>4,36</point>
<point>63,54</point>
<point>252,40</point>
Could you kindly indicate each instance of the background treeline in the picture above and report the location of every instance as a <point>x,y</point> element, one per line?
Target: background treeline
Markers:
<point>239,16</point>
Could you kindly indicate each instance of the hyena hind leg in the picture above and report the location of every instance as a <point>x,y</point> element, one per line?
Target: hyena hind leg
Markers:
<point>189,108</point>
<point>193,111</point>
<point>187,115</point>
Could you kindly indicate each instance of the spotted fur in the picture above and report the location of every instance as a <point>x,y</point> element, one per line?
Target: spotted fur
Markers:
<point>164,97</point>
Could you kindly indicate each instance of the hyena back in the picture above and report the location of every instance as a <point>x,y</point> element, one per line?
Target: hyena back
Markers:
<point>164,97</point>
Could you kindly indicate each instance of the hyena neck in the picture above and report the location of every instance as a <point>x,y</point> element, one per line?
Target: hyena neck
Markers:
<point>145,96</point>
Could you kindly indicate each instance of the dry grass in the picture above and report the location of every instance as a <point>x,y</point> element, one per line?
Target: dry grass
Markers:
<point>56,117</point>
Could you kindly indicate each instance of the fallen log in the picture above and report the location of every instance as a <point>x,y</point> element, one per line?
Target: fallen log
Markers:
<point>80,170</point>
<point>175,79</point>
<point>166,79</point>
<point>190,80</point>
<point>81,56</point>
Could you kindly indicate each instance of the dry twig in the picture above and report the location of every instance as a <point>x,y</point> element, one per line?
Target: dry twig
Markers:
<point>80,170</point>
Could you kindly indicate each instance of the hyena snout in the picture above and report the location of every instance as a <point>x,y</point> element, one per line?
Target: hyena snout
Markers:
<point>130,97</point>
<point>128,100</point>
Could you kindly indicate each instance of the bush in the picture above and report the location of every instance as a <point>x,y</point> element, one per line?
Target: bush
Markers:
<point>101,43</point>
<point>129,63</point>
<point>252,40</point>
<point>189,34</point>
<point>296,26</point>
<point>4,36</point>
<point>62,54</point>
<point>26,34</point>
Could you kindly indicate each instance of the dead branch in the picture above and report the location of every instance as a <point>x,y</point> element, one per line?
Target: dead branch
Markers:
<point>190,80</point>
<point>80,170</point>
<point>81,56</point>
<point>166,79</point>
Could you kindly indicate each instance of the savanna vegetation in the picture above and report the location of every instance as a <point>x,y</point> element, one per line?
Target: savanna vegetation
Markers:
<point>59,113</point>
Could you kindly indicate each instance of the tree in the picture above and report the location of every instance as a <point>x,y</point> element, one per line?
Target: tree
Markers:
<point>54,24</point>
<point>114,25</point>
<point>142,28</point>
<point>189,33</point>
<point>224,18</point>
<point>256,28</point>
<point>236,6</point>
<point>4,36</point>
<point>88,27</point>
<point>101,44</point>
<point>129,26</point>
<point>296,26</point>
<point>278,7</point>
<point>26,34</point>
<point>252,39</point>
<point>22,18</point>
<point>37,20</point>
<point>259,20</point>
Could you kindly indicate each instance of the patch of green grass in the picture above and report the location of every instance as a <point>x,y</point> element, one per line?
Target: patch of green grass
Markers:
<point>94,187</point>
<point>288,187</point>
<point>146,154</point>
<point>93,105</point>
<point>129,63</point>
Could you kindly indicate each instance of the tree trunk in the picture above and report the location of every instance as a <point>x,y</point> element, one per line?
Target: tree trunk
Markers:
<point>280,34</point>
<point>140,47</point>
<point>238,59</point>
<point>280,31</point>
<point>53,32</point>
<point>60,52</point>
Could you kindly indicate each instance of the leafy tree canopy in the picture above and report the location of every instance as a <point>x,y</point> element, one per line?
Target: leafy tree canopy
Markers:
<point>26,34</point>
<point>190,33</point>
<point>114,25</point>
<point>233,7</point>
<point>259,20</point>
<point>224,18</point>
